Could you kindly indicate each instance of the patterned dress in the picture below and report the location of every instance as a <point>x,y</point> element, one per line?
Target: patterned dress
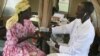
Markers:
<point>13,48</point>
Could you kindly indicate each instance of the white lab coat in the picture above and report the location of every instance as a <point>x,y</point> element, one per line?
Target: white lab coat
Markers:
<point>81,37</point>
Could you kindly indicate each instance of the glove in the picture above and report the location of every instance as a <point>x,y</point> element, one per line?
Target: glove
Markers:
<point>51,43</point>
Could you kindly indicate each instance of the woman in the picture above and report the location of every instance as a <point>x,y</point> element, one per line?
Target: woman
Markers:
<point>18,31</point>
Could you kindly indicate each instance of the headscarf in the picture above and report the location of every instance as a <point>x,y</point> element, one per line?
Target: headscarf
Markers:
<point>11,21</point>
<point>21,6</point>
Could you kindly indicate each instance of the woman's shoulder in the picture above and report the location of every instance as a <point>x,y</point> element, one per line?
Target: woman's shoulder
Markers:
<point>10,24</point>
<point>27,21</point>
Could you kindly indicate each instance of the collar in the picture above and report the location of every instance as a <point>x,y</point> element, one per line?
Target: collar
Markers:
<point>87,21</point>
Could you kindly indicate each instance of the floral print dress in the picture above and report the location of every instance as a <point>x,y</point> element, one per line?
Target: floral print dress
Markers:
<point>13,48</point>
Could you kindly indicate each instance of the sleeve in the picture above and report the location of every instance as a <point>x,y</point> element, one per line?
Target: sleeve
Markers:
<point>11,37</point>
<point>63,29</point>
<point>32,28</point>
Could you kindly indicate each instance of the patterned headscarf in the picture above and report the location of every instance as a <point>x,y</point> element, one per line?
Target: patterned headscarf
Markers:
<point>11,21</point>
<point>21,6</point>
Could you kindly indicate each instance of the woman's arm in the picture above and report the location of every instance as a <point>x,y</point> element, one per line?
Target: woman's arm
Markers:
<point>31,32</point>
<point>35,35</point>
<point>23,39</point>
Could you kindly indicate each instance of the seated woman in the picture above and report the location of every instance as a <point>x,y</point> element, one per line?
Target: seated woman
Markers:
<point>19,29</point>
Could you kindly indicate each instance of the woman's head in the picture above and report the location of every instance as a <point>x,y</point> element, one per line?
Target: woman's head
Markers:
<point>84,8</point>
<point>25,14</point>
<point>20,8</point>
<point>23,9</point>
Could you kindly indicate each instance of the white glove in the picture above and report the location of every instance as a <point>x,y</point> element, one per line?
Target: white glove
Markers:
<point>51,43</point>
<point>44,29</point>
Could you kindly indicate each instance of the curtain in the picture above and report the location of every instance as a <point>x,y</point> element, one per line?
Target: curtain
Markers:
<point>2,4</point>
<point>45,12</point>
<point>40,11</point>
<point>97,10</point>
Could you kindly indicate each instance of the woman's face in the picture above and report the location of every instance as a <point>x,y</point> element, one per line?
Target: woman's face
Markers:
<point>80,11</point>
<point>25,14</point>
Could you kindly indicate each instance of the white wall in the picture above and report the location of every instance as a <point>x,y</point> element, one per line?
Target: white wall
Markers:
<point>10,7</point>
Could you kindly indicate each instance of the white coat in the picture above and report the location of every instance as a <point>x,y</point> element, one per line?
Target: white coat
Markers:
<point>81,37</point>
